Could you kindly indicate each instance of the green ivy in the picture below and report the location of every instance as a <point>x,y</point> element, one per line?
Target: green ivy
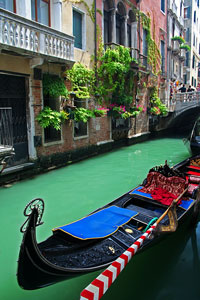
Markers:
<point>48,117</point>
<point>115,77</point>
<point>153,56</point>
<point>54,86</point>
<point>157,107</point>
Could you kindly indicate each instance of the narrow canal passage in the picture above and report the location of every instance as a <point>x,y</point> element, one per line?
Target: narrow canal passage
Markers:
<point>170,270</point>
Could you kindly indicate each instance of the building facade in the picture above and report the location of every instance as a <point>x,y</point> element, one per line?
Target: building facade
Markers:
<point>41,38</point>
<point>192,33</point>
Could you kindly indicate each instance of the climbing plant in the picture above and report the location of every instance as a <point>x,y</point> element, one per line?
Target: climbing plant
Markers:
<point>153,56</point>
<point>115,77</point>
<point>157,107</point>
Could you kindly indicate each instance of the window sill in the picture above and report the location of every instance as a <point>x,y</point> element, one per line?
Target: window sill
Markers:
<point>80,137</point>
<point>48,144</point>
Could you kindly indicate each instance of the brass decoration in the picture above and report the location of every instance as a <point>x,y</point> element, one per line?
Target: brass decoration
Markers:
<point>173,222</point>
<point>111,249</point>
<point>128,230</point>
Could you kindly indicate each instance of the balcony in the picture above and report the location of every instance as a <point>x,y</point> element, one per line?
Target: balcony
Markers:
<point>182,54</point>
<point>175,47</point>
<point>26,37</point>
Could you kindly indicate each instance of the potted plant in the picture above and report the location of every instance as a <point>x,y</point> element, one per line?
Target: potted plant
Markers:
<point>100,112</point>
<point>82,114</point>
<point>48,117</point>
<point>180,39</point>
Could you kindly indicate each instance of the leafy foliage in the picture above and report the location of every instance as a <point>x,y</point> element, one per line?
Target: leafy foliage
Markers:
<point>82,80</point>
<point>153,56</point>
<point>185,46</point>
<point>48,117</point>
<point>157,107</point>
<point>83,114</point>
<point>178,38</point>
<point>121,111</point>
<point>54,86</point>
<point>115,77</point>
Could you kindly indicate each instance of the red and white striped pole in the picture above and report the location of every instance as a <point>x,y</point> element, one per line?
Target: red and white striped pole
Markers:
<point>98,287</point>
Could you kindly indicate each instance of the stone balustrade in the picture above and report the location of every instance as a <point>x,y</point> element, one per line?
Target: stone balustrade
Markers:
<point>23,35</point>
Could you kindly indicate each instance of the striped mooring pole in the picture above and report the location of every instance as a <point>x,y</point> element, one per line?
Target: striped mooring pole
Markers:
<point>98,287</point>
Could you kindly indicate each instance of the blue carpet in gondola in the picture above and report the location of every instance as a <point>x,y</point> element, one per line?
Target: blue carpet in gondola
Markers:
<point>100,224</point>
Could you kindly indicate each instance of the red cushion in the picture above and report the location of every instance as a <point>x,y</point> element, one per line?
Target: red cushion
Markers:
<point>174,184</point>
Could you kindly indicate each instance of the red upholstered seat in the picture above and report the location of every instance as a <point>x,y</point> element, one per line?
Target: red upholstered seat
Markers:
<point>174,184</point>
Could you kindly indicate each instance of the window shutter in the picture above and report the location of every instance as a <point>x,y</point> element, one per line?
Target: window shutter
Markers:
<point>77,29</point>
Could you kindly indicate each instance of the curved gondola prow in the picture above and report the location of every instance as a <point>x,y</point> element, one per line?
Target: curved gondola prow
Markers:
<point>26,270</point>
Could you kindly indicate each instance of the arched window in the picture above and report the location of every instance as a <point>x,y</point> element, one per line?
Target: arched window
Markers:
<point>107,19</point>
<point>120,20</point>
<point>130,34</point>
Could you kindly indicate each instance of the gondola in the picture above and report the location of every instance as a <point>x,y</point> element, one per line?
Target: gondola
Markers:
<point>95,241</point>
<point>192,142</point>
<point>6,152</point>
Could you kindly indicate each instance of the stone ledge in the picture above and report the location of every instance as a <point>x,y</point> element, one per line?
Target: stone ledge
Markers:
<point>17,168</point>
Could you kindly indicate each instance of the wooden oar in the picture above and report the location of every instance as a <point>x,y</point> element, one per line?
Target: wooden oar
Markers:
<point>98,287</point>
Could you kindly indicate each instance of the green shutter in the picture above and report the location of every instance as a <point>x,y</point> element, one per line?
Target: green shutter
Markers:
<point>77,29</point>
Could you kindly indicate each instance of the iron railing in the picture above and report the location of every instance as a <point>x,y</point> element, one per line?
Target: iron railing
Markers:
<point>6,130</point>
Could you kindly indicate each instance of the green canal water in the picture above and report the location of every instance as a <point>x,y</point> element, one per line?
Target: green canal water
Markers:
<point>169,271</point>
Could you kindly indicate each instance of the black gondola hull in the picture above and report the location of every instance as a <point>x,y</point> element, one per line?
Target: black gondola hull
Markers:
<point>40,265</point>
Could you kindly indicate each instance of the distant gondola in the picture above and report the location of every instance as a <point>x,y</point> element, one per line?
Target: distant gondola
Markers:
<point>193,141</point>
<point>95,241</point>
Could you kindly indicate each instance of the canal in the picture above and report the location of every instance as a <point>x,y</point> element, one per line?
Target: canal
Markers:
<point>170,270</point>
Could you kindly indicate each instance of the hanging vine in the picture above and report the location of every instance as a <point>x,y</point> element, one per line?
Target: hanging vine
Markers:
<point>154,56</point>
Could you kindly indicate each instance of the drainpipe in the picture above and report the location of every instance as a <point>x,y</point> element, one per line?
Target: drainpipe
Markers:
<point>95,39</point>
<point>138,2</point>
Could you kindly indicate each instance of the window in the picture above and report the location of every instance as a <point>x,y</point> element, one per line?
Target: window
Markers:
<point>187,35</point>
<point>187,12</point>
<point>195,16</point>
<point>40,11</point>
<point>162,5</point>
<point>80,128</point>
<point>162,52</point>
<point>145,47</point>
<point>77,29</point>
<point>129,35</point>
<point>107,27</point>
<point>181,7</point>
<point>119,23</point>
<point>185,78</point>
<point>193,61</point>
<point>187,59</point>
<point>50,133</point>
<point>8,4</point>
